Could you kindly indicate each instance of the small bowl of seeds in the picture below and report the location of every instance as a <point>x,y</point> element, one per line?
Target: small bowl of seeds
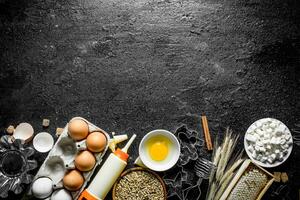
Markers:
<point>139,184</point>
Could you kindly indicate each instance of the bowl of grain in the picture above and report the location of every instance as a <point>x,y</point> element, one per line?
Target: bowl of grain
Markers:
<point>139,184</point>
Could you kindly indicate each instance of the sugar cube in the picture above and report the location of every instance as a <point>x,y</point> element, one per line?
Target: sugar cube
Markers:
<point>250,148</point>
<point>277,176</point>
<point>46,122</point>
<point>59,131</point>
<point>250,138</point>
<point>284,177</point>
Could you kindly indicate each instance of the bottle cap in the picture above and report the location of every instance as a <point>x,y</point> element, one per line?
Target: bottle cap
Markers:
<point>86,195</point>
<point>121,154</point>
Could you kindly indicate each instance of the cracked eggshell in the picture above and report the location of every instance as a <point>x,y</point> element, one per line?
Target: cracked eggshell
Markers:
<point>24,131</point>
<point>43,142</point>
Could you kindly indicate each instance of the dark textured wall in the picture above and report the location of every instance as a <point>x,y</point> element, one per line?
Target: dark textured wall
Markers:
<point>131,66</point>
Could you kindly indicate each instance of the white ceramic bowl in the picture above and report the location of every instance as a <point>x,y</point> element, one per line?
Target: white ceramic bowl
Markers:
<point>43,142</point>
<point>173,155</point>
<point>277,162</point>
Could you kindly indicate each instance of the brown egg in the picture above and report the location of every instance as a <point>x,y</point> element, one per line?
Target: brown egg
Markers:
<point>85,161</point>
<point>78,129</point>
<point>73,180</point>
<point>96,142</point>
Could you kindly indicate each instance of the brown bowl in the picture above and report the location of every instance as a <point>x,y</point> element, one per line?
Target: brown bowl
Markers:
<point>139,169</point>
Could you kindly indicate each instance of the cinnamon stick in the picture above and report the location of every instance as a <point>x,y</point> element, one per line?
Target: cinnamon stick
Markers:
<point>206,133</point>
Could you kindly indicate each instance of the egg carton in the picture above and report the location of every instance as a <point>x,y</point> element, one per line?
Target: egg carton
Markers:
<point>61,159</point>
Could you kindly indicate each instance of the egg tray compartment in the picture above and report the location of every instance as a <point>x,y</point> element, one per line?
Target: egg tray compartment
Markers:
<point>247,166</point>
<point>61,159</point>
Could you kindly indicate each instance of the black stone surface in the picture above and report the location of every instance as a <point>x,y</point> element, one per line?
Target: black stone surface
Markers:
<point>131,66</point>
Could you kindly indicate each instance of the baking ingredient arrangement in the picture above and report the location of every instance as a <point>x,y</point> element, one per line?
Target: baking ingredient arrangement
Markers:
<point>79,166</point>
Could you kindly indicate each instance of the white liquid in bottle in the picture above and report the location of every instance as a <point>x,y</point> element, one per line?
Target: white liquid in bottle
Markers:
<point>108,174</point>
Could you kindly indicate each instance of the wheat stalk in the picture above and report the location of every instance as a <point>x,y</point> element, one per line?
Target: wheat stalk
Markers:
<point>220,178</point>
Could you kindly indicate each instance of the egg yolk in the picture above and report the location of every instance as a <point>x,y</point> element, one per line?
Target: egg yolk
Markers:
<point>158,151</point>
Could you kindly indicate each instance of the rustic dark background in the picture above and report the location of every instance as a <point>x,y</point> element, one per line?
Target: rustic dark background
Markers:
<point>131,66</point>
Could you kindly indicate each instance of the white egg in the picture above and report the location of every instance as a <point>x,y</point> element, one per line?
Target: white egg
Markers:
<point>42,187</point>
<point>61,194</point>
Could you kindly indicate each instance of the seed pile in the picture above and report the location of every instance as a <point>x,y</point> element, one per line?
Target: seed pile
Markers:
<point>249,185</point>
<point>139,185</point>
